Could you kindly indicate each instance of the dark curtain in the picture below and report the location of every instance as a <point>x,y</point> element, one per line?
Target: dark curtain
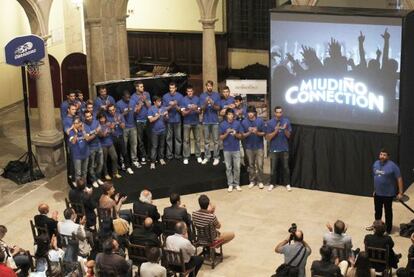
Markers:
<point>337,160</point>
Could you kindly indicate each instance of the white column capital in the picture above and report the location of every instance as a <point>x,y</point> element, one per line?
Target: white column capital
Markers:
<point>208,23</point>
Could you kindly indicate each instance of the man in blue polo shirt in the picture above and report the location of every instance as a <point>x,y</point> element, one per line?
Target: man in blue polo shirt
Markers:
<point>95,149</point>
<point>172,101</point>
<point>231,133</point>
<point>190,109</point>
<point>387,177</point>
<point>278,133</point>
<point>126,108</point>
<point>103,100</point>
<point>105,138</point>
<point>254,130</point>
<point>227,102</point>
<point>210,106</point>
<point>142,100</point>
<point>70,99</point>
<point>79,149</point>
<point>116,122</point>
<point>157,116</point>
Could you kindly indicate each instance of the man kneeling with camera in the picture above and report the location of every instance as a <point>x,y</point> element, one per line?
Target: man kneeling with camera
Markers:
<point>295,254</point>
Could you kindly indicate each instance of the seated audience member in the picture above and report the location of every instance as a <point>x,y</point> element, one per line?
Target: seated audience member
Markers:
<point>115,204</point>
<point>177,210</point>
<point>68,228</point>
<point>405,272</point>
<point>90,268</point>
<point>325,267</point>
<point>337,237</point>
<point>83,195</point>
<point>42,219</point>
<point>205,216</point>
<point>361,268</point>
<point>380,240</point>
<point>144,206</point>
<point>14,256</point>
<point>179,241</point>
<point>152,268</point>
<point>145,236</point>
<point>289,250</point>
<point>6,271</point>
<point>111,263</point>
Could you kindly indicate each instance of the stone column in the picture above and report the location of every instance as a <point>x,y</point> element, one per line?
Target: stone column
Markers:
<point>208,19</point>
<point>48,142</point>
<point>96,54</point>
<point>123,58</point>
<point>106,40</point>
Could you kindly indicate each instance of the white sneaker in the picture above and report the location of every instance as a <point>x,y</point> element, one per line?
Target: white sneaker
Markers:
<point>95,184</point>
<point>204,161</point>
<point>261,186</point>
<point>251,185</point>
<point>185,161</point>
<point>162,162</point>
<point>129,170</point>
<point>230,189</point>
<point>152,166</point>
<point>137,164</point>
<point>238,188</point>
<point>289,188</point>
<point>270,188</point>
<point>199,160</point>
<point>74,184</point>
<point>143,161</point>
<point>100,181</point>
<point>216,162</point>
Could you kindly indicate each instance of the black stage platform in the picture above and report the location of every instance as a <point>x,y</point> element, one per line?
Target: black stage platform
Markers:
<point>175,177</point>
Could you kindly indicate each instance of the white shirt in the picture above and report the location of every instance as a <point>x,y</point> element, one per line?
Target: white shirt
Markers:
<point>177,242</point>
<point>152,270</point>
<point>68,227</point>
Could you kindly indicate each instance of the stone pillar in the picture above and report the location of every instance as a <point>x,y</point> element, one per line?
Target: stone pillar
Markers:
<point>49,141</point>
<point>95,56</point>
<point>208,19</point>
<point>106,40</point>
<point>123,58</point>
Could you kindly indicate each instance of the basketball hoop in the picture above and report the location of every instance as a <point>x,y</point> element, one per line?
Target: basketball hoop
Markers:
<point>33,69</point>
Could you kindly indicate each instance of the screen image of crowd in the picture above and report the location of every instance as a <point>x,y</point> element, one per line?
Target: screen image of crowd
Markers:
<point>345,75</point>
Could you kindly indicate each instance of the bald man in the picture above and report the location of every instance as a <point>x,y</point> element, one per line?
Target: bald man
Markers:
<point>145,236</point>
<point>298,248</point>
<point>42,219</point>
<point>144,206</point>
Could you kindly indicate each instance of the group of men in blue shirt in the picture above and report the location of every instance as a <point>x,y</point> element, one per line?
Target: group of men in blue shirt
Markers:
<point>105,129</point>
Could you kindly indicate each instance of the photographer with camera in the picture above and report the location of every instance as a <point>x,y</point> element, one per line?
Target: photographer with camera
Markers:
<point>295,254</point>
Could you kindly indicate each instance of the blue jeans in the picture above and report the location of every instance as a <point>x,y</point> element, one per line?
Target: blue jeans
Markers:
<point>283,158</point>
<point>255,161</point>
<point>173,129</point>
<point>81,168</point>
<point>157,146</point>
<point>211,130</point>
<point>187,146</point>
<point>232,161</point>
<point>130,137</point>
<point>95,164</point>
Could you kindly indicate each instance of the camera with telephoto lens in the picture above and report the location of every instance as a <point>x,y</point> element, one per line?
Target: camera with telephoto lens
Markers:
<point>292,231</point>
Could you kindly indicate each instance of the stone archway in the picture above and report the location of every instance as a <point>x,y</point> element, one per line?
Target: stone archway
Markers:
<point>48,141</point>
